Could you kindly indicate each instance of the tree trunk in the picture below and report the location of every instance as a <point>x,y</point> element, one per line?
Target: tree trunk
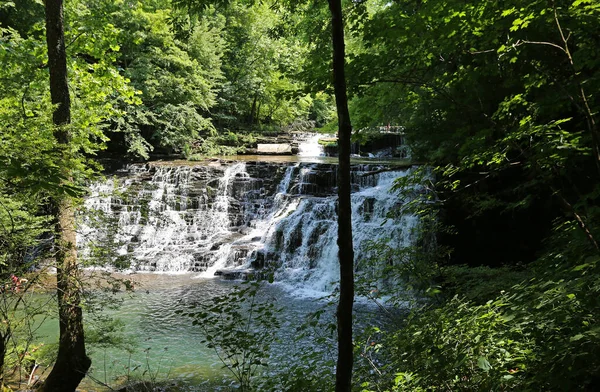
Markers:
<point>253,110</point>
<point>72,363</point>
<point>258,112</point>
<point>343,376</point>
<point>3,345</point>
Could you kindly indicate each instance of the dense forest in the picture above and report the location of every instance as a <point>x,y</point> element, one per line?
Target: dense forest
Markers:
<point>497,102</point>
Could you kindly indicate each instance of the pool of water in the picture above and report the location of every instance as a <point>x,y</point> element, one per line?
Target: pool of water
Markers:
<point>165,346</point>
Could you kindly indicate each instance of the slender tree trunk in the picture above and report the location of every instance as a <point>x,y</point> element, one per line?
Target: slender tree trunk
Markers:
<point>258,112</point>
<point>72,363</point>
<point>253,110</point>
<point>3,340</point>
<point>343,376</point>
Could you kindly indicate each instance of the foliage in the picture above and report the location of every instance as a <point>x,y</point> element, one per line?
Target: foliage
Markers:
<point>170,76</point>
<point>535,335</point>
<point>21,229</point>
<point>22,313</point>
<point>510,328</point>
<point>211,147</point>
<point>466,281</point>
<point>37,168</point>
<point>497,98</point>
<point>174,73</point>
<point>240,327</point>
<point>505,114</point>
<point>259,67</point>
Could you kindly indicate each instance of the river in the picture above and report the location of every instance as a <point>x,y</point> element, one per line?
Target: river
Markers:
<point>165,348</point>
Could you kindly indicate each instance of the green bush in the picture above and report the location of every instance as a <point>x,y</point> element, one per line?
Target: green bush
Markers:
<point>267,129</point>
<point>480,284</point>
<point>539,335</point>
<point>240,327</point>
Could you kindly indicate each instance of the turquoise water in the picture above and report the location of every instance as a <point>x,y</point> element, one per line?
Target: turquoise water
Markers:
<point>165,347</point>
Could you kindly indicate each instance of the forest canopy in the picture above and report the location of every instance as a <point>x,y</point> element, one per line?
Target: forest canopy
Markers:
<point>497,101</point>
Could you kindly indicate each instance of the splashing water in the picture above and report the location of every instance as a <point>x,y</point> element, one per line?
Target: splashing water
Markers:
<point>244,216</point>
<point>310,146</point>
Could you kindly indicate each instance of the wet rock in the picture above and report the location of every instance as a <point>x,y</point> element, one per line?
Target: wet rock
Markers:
<point>236,274</point>
<point>189,217</point>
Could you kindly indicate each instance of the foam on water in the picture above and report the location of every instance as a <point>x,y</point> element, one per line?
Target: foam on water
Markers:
<point>310,147</point>
<point>241,216</point>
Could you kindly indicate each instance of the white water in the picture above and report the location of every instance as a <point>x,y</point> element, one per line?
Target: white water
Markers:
<point>280,216</point>
<point>310,146</point>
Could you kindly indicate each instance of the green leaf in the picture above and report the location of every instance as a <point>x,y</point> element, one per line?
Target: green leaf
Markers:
<point>576,337</point>
<point>483,364</point>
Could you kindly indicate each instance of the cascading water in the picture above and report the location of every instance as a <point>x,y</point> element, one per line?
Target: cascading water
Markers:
<point>310,146</point>
<point>165,223</point>
<point>230,218</point>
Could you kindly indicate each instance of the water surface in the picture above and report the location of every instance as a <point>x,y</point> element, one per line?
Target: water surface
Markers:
<point>167,347</point>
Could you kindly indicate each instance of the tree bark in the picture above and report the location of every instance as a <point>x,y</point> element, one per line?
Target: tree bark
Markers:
<point>343,376</point>
<point>253,110</point>
<point>3,346</point>
<point>72,363</point>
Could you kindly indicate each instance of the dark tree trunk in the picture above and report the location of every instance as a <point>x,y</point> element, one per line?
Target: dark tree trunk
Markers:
<point>3,341</point>
<point>253,110</point>
<point>343,376</point>
<point>72,363</point>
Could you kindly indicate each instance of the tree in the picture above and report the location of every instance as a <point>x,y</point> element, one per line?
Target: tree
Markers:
<point>72,362</point>
<point>175,64</point>
<point>498,96</point>
<point>343,376</point>
<point>507,114</point>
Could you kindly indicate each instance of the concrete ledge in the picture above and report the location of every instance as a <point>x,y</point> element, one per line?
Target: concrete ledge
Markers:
<point>274,149</point>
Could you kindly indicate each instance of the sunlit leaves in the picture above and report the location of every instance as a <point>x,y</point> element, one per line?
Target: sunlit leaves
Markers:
<point>174,64</point>
<point>536,334</point>
<point>240,327</point>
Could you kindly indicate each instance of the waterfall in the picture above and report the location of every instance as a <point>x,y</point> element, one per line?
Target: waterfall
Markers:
<point>310,147</point>
<point>229,218</point>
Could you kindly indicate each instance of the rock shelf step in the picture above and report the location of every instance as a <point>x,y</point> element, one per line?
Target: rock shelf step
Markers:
<point>236,274</point>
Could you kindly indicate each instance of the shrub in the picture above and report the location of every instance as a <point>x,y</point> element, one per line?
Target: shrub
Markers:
<point>540,335</point>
